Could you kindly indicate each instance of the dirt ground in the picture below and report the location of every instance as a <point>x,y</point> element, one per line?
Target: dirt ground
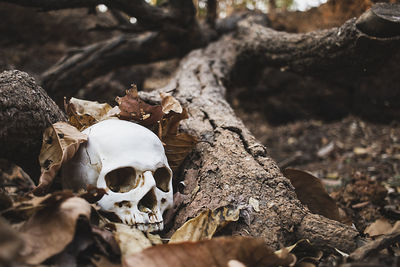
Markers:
<point>358,161</point>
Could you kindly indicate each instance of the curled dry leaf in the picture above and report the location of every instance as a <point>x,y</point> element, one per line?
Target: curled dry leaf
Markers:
<point>52,228</point>
<point>205,224</point>
<point>169,103</point>
<point>132,108</point>
<point>164,120</point>
<point>304,251</point>
<point>60,143</point>
<point>83,114</point>
<point>311,192</point>
<point>214,252</point>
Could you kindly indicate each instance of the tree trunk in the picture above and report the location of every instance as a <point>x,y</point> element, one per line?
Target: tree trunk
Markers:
<point>230,166</point>
<point>25,111</point>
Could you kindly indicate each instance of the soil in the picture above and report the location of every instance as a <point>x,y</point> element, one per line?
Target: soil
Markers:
<point>358,161</point>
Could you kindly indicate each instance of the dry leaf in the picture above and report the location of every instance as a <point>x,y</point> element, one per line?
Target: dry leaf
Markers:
<point>60,143</point>
<point>10,244</point>
<point>379,227</point>
<point>177,147</point>
<point>205,224</point>
<point>106,242</point>
<point>52,228</point>
<point>83,114</point>
<point>132,108</point>
<point>104,262</point>
<point>214,252</point>
<point>163,119</point>
<point>25,208</point>
<point>311,192</point>
<point>169,103</point>
<point>131,240</point>
<point>304,252</point>
<point>14,180</point>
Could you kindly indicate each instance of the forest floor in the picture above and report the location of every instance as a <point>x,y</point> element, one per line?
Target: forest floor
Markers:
<point>358,161</point>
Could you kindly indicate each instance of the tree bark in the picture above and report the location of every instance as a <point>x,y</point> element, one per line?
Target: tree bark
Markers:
<point>25,111</point>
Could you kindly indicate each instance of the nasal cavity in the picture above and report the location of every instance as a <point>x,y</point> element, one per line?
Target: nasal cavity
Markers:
<point>121,180</point>
<point>148,202</point>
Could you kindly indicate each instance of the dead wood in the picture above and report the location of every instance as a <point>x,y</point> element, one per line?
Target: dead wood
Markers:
<point>230,166</point>
<point>25,111</point>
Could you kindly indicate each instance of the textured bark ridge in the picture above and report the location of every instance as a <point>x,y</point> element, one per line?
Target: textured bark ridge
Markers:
<point>230,166</point>
<point>25,111</point>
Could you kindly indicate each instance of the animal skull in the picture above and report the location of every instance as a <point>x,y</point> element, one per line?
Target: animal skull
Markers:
<point>128,161</point>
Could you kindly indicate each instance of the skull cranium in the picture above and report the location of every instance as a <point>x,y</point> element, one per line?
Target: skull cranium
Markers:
<point>129,162</point>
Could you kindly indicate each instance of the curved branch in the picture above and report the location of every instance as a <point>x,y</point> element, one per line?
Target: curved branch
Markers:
<point>75,70</point>
<point>344,51</point>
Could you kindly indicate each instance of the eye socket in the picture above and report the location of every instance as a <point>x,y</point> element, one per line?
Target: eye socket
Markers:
<point>162,177</point>
<point>121,180</point>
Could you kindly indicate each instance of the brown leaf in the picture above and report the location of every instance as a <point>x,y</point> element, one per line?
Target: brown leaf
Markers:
<point>311,192</point>
<point>130,239</point>
<point>205,224</point>
<point>177,147</point>
<point>83,114</point>
<point>14,180</point>
<point>60,143</point>
<point>104,262</point>
<point>379,227</point>
<point>169,103</point>
<point>214,252</point>
<point>165,119</point>
<point>10,244</point>
<point>24,208</point>
<point>106,242</point>
<point>132,108</point>
<point>52,228</point>
<point>92,194</point>
<point>170,124</point>
<point>304,252</point>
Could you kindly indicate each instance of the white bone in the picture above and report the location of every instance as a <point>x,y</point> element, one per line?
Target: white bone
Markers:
<point>115,149</point>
